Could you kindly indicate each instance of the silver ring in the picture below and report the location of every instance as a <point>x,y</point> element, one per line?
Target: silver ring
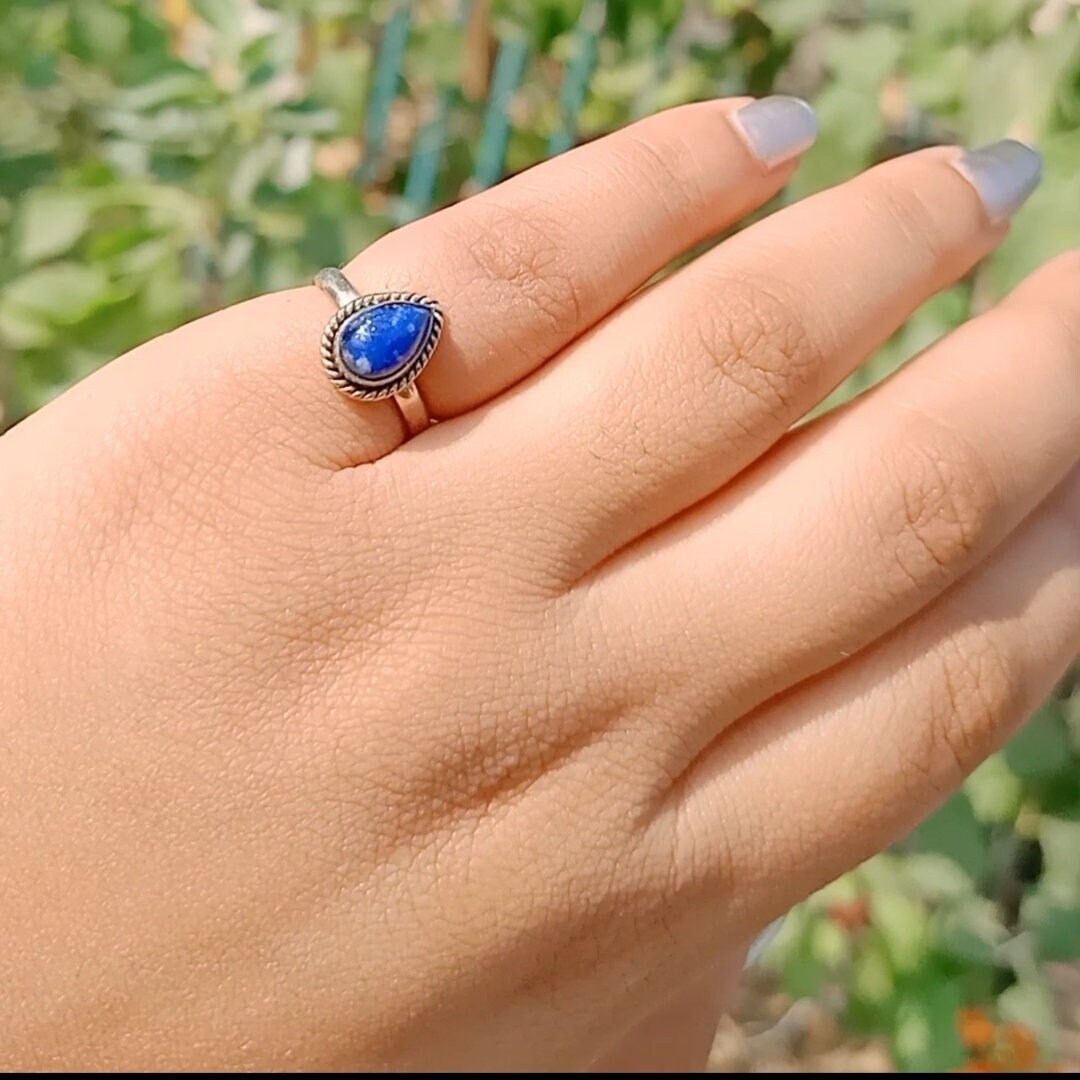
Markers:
<point>376,345</point>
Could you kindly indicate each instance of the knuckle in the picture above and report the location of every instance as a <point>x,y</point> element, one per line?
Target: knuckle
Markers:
<point>663,159</point>
<point>1043,314</point>
<point>978,689</point>
<point>907,208</point>
<point>941,496</point>
<point>523,263</point>
<point>1063,310</point>
<point>757,342</point>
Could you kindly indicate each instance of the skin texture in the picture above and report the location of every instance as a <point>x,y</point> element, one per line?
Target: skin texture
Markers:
<point>492,749</point>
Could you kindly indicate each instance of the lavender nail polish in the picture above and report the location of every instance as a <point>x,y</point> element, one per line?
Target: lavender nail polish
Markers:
<point>777,128</point>
<point>1004,174</point>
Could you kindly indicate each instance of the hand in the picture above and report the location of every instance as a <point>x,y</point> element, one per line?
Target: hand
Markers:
<point>323,749</point>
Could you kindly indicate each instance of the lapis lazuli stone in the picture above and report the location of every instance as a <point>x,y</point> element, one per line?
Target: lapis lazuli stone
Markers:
<point>379,340</point>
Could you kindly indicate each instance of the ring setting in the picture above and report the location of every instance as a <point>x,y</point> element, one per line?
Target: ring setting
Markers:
<point>375,345</point>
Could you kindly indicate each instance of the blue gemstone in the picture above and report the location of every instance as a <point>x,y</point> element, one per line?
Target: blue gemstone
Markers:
<point>380,340</point>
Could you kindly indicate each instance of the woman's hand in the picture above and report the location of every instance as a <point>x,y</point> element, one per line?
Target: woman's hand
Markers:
<point>326,750</point>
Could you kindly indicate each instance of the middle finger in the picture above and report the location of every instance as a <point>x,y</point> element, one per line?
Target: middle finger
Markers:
<point>692,381</point>
<point>857,522</point>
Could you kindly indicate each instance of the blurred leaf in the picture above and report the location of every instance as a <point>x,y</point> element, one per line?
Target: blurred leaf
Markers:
<point>995,793</point>
<point>21,330</point>
<point>223,15</point>
<point>60,294</point>
<point>1060,839</point>
<point>972,932</point>
<point>790,18</point>
<point>1059,797</point>
<point>175,87</point>
<point>937,877</point>
<point>829,943</point>
<point>1041,748</point>
<point>941,20</point>
<point>851,128</point>
<point>863,58</point>
<point>341,81</point>
<point>902,923</point>
<point>1030,1002</point>
<point>939,77</point>
<point>872,976</point>
<point>926,1038</point>
<point>98,31</point>
<point>956,833</point>
<point>803,973</point>
<point>50,222</point>
<point>1057,932</point>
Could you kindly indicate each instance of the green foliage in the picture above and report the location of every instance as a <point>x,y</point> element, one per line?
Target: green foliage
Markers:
<point>161,159</point>
<point>966,912</point>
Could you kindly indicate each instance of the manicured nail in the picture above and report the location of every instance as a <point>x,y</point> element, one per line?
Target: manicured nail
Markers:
<point>1004,174</point>
<point>777,128</point>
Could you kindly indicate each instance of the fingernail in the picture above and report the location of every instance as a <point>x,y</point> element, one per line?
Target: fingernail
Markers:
<point>777,128</point>
<point>1004,174</point>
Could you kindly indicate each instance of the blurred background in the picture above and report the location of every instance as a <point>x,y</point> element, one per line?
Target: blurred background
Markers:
<point>161,158</point>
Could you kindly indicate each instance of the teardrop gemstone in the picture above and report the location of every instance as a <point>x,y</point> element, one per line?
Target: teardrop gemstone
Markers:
<point>382,339</point>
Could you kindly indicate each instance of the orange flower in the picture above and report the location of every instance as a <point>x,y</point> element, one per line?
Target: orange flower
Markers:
<point>1017,1048</point>
<point>851,915</point>
<point>976,1029</point>
<point>996,1047</point>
